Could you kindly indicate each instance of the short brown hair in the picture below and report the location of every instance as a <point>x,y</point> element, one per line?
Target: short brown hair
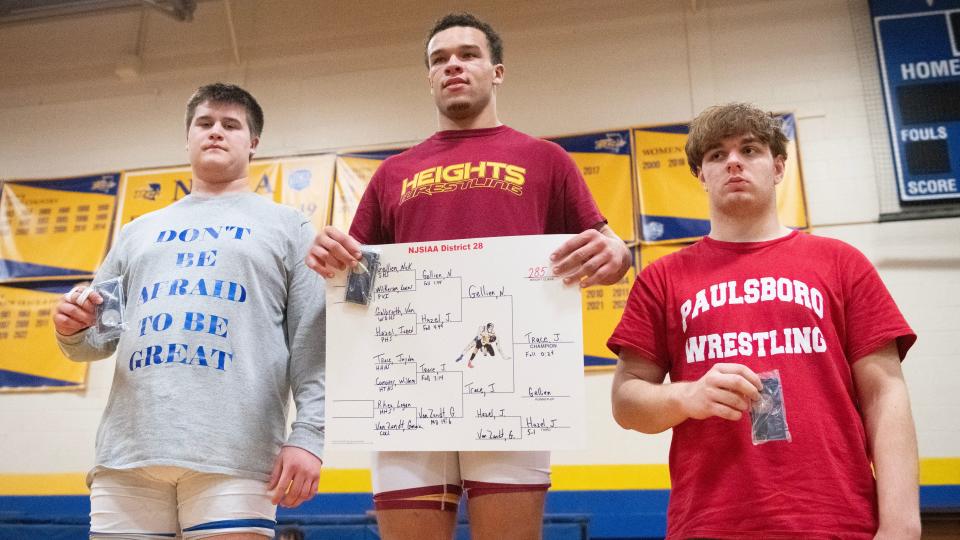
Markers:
<point>228,94</point>
<point>719,122</point>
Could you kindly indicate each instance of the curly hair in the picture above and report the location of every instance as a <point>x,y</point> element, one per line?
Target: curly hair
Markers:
<point>719,122</point>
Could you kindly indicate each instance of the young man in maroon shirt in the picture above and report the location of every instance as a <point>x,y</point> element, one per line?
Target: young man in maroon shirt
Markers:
<point>475,177</point>
<point>750,298</point>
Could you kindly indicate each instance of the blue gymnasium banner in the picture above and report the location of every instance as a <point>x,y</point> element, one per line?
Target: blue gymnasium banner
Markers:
<point>918,45</point>
<point>55,228</point>
<point>30,358</point>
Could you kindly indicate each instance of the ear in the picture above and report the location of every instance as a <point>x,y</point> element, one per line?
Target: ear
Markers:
<point>498,74</point>
<point>779,167</point>
<point>703,181</point>
<point>253,146</point>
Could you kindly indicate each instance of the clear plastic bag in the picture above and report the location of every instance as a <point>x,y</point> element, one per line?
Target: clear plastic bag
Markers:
<point>109,313</point>
<point>768,417</point>
<point>360,281</point>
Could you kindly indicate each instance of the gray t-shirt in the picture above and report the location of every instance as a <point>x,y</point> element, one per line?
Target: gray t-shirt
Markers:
<point>223,320</point>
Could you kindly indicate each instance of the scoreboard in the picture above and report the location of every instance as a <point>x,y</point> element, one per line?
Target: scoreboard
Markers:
<point>918,43</point>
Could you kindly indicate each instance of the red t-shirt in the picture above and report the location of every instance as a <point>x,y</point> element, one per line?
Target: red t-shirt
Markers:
<point>475,183</point>
<point>805,305</point>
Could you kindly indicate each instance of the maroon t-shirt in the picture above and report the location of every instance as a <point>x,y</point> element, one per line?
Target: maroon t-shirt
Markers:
<point>807,306</point>
<point>475,183</point>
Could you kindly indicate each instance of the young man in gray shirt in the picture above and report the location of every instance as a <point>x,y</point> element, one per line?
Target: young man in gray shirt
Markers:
<point>223,320</point>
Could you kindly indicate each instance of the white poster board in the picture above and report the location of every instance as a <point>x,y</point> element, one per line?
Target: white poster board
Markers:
<point>399,373</point>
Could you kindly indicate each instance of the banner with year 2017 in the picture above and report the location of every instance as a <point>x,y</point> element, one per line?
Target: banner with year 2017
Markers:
<point>606,163</point>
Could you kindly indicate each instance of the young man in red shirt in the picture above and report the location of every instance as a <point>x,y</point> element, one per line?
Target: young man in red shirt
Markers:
<point>752,297</point>
<point>475,177</point>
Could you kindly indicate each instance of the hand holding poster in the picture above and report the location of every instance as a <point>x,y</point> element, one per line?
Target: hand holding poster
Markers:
<point>456,353</point>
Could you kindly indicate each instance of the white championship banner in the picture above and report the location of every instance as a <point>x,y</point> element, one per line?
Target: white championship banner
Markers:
<point>464,345</point>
